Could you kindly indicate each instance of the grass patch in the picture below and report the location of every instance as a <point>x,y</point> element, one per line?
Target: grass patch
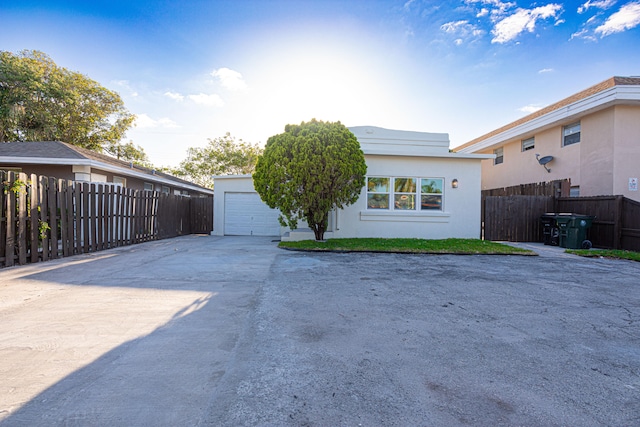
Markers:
<point>606,253</point>
<point>410,246</point>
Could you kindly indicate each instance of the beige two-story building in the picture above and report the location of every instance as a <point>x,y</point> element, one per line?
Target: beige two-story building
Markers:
<point>591,137</point>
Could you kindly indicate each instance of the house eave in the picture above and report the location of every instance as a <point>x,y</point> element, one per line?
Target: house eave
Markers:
<point>102,166</point>
<point>617,95</point>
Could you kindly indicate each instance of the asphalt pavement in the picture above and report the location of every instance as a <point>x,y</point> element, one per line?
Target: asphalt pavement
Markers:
<point>232,331</point>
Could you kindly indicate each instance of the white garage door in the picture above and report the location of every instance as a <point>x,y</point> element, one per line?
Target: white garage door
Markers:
<point>246,215</point>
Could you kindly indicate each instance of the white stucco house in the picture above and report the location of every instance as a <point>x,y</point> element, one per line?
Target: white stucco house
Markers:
<point>415,187</point>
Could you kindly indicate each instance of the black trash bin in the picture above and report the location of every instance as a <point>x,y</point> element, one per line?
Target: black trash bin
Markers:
<point>550,230</point>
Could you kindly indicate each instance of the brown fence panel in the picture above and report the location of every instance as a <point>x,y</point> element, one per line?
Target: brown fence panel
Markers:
<point>515,218</point>
<point>630,229</point>
<point>605,230</point>
<point>201,215</point>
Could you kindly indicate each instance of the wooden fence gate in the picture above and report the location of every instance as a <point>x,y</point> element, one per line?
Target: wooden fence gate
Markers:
<point>515,218</point>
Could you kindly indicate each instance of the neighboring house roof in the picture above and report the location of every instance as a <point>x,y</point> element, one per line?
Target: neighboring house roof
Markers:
<point>615,90</point>
<point>61,153</point>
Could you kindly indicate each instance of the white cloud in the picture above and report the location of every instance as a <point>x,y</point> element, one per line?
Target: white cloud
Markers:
<point>626,18</point>
<point>523,19</point>
<point>212,100</point>
<point>582,34</point>
<point>463,29</point>
<point>531,108</point>
<point>230,79</point>
<point>546,70</point>
<point>599,4</point>
<point>452,27</point>
<point>498,7</point>
<point>144,121</point>
<point>126,86</point>
<point>175,96</point>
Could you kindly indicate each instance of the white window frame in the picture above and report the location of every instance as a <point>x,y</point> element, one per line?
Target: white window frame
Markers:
<point>569,131</point>
<point>405,201</point>
<point>166,189</point>
<point>376,195</point>
<point>528,144</point>
<point>499,152</point>
<point>148,184</point>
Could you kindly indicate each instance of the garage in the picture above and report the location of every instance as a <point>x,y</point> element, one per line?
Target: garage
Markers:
<point>245,214</point>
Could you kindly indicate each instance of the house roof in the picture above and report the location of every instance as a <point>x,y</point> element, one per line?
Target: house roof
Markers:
<point>590,94</point>
<point>389,142</point>
<point>61,153</point>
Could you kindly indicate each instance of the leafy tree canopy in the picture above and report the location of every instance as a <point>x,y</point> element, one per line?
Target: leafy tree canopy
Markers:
<point>309,170</point>
<point>40,101</point>
<point>221,156</point>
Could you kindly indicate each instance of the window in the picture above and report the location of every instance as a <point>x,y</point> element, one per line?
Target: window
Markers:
<point>166,190</point>
<point>574,191</point>
<point>571,134</point>
<point>528,144</point>
<point>499,156</point>
<point>431,193</point>
<point>377,193</point>
<point>404,193</point>
<point>148,186</point>
<point>118,180</point>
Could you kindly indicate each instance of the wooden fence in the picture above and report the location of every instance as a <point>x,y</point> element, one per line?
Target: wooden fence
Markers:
<point>45,218</point>
<point>513,214</point>
<point>515,218</point>
<point>617,222</point>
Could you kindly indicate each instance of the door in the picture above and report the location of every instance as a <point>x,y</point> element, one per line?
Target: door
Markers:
<point>246,215</point>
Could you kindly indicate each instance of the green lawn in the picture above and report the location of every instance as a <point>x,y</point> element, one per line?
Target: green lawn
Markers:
<point>411,246</point>
<point>606,253</point>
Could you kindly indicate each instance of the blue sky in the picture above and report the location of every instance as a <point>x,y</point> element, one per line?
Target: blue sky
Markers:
<point>196,69</point>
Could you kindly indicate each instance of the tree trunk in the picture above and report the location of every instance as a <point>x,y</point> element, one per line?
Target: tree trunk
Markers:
<point>320,228</point>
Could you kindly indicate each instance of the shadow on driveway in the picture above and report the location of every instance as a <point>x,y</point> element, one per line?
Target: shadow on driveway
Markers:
<point>227,331</point>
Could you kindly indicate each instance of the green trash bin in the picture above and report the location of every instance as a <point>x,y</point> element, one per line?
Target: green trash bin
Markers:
<point>573,230</point>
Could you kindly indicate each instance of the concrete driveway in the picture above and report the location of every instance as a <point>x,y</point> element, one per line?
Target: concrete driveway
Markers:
<point>204,330</point>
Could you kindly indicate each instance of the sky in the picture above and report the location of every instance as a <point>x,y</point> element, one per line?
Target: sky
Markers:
<point>191,70</point>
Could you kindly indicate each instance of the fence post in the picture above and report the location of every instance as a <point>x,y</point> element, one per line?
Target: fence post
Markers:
<point>22,219</point>
<point>44,214</point>
<point>11,222</point>
<point>33,217</point>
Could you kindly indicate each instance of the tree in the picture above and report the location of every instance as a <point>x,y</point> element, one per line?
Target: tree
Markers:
<point>309,170</point>
<point>222,156</point>
<point>40,101</point>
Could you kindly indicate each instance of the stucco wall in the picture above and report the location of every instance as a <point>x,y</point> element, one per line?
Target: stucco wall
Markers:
<point>627,150</point>
<point>460,216</point>
<point>461,206</point>
<point>522,167</point>
<point>600,164</point>
<point>596,154</point>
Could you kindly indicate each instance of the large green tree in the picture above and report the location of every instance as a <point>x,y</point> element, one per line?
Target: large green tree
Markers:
<point>309,170</point>
<point>221,156</point>
<point>40,101</point>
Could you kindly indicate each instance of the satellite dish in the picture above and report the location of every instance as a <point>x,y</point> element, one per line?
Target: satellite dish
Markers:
<point>544,160</point>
